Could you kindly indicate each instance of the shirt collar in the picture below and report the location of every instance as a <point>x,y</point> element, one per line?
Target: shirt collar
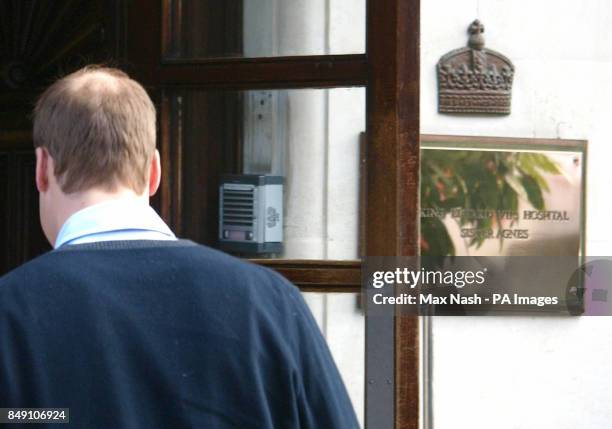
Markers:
<point>109,216</point>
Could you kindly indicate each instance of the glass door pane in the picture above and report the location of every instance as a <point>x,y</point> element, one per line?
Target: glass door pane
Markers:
<point>307,139</point>
<point>341,319</point>
<point>263,28</point>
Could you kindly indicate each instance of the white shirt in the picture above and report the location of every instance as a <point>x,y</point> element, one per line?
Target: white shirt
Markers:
<point>123,219</point>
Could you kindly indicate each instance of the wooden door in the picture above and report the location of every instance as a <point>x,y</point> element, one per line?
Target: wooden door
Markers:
<point>389,69</point>
<point>39,41</point>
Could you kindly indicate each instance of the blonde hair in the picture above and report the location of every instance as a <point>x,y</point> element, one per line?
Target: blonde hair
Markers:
<point>98,125</point>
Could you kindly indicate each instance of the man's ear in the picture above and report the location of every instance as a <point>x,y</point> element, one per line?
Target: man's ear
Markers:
<point>154,174</point>
<point>42,169</point>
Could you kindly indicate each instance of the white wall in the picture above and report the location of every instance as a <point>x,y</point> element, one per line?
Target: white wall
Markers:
<point>530,372</point>
<point>321,130</point>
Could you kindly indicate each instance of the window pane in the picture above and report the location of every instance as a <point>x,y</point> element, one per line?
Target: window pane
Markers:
<point>341,320</point>
<point>264,28</point>
<point>310,138</point>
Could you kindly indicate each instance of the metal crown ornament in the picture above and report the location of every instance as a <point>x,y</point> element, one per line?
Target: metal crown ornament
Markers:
<point>475,79</point>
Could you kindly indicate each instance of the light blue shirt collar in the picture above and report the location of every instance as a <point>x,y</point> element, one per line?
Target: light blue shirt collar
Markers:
<point>124,219</point>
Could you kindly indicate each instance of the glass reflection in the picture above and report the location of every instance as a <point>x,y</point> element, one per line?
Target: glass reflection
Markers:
<point>342,322</point>
<point>310,137</point>
<point>264,28</point>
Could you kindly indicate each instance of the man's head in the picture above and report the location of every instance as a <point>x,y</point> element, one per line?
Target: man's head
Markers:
<point>94,133</point>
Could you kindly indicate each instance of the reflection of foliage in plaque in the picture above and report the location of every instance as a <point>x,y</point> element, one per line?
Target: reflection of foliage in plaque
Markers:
<point>479,181</point>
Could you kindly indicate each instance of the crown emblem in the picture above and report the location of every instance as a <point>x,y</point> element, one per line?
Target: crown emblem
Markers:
<point>475,79</point>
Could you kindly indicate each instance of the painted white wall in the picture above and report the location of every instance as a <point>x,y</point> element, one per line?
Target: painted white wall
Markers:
<point>322,202</point>
<point>303,24</point>
<point>344,324</point>
<point>321,130</point>
<point>530,372</point>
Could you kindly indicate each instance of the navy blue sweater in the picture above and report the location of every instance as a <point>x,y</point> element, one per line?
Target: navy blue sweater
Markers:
<point>164,334</point>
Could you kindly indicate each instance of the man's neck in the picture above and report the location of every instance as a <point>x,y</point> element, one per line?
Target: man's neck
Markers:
<point>73,203</point>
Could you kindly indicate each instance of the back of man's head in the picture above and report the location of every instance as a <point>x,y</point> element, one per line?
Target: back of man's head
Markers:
<point>98,125</point>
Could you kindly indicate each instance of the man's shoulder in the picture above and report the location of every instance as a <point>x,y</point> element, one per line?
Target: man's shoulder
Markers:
<point>206,260</point>
<point>26,282</point>
<point>234,272</point>
<point>187,258</point>
<point>28,271</point>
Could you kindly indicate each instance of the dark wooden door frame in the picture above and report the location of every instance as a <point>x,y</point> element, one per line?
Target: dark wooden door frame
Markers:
<point>390,70</point>
<point>392,219</point>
